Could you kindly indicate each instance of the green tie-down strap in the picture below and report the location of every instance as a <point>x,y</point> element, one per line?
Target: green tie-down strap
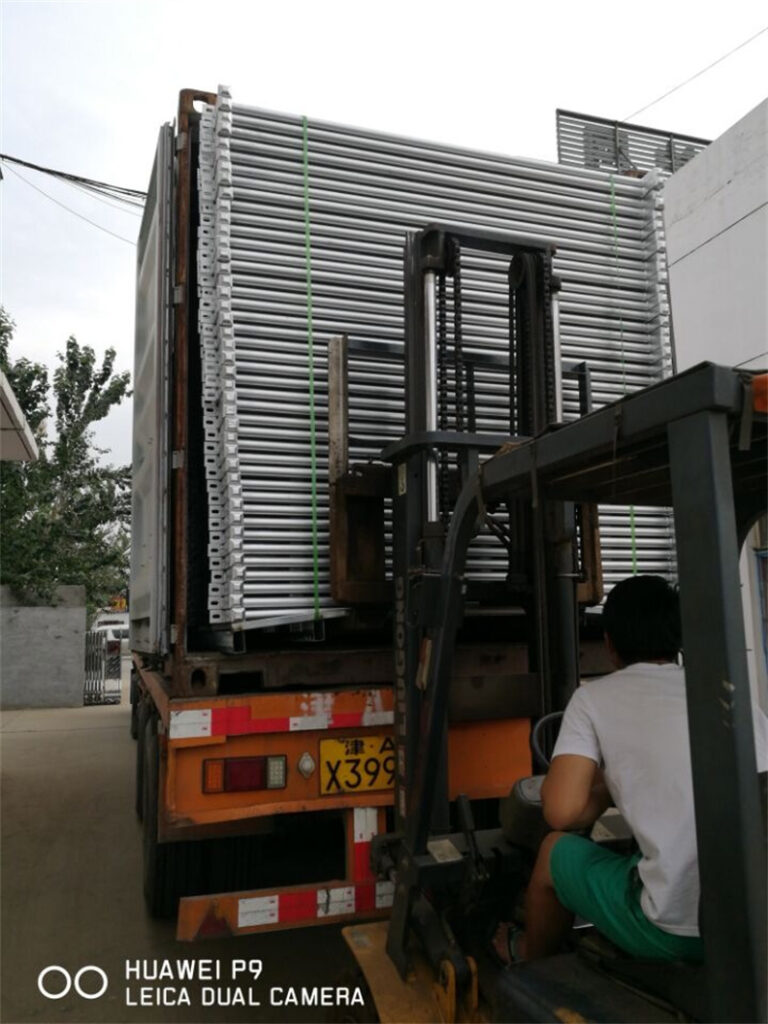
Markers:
<point>614,221</point>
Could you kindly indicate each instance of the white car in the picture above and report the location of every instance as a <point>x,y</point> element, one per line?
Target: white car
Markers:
<point>117,632</point>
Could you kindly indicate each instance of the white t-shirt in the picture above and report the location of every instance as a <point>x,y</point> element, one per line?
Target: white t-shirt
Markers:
<point>635,723</point>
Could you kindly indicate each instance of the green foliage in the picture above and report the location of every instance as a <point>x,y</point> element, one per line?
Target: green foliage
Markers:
<point>28,380</point>
<point>65,518</point>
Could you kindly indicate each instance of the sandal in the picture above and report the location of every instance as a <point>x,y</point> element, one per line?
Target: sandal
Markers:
<point>504,944</point>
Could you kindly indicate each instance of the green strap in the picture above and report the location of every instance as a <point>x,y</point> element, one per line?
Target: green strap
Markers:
<point>614,220</point>
<point>311,361</point>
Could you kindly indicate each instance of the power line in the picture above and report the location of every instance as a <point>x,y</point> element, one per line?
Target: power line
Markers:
<point>99,197</point>
<point>91,182</point>
<point>751,359</point>
<point>134,204</point>
<point>70,210</point>
<point>698,74</point>
<point>105,193</point>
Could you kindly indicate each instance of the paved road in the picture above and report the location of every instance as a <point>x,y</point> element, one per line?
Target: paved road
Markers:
<point>71,888</point>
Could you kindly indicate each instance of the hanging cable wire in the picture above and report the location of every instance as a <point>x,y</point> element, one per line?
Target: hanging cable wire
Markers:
<point>116,190</point>
<point>69,209</point>
<point>133,205</point>
<point>99,197</point>
<point>697,75</point>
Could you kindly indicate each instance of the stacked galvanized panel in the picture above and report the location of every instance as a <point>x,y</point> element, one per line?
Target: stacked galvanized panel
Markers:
<point>584,141</point>
<point>219,366</point>
<point>365,191</point>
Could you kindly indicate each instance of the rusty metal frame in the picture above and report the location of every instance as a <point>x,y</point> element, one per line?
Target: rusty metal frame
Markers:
<point>217,916</point>
<point>358,572</point>
<point>153,683</point>
<point>590,589</point>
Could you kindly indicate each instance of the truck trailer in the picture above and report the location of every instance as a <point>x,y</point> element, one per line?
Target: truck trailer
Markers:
<point>324,323</point>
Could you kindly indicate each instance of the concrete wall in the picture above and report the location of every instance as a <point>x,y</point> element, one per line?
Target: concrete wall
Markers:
<point>42,651</point>
<point>716,218</point>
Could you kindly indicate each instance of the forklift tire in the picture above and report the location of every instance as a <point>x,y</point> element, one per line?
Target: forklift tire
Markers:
<point>134,692</point>
<point>171,870</point>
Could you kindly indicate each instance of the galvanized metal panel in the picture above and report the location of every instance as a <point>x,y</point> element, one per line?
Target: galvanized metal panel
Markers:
<point>149,522</point>
<point>366,191</point>
<point>585,141</point>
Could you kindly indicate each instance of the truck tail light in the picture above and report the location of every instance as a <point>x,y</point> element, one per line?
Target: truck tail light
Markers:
<point>113,647</point>
<point>238,774</point>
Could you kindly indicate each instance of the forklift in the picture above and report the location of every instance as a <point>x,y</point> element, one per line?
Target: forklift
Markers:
<point>696,443</point>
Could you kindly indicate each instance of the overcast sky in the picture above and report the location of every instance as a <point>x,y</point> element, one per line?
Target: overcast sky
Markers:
<point>86,85</point>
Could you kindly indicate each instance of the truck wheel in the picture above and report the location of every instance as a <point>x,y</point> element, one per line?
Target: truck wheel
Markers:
<point>158,881</point>
<point>134,692</point>
<point>143,713</point>
<point>171,870</point>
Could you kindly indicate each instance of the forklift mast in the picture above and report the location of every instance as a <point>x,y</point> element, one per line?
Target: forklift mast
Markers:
<point>439,455</point>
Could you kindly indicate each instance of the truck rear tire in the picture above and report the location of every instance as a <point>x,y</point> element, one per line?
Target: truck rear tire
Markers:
<point>158,880</point>
<point>143,712</point>
<point>171,870</point>
<point>134,696</point>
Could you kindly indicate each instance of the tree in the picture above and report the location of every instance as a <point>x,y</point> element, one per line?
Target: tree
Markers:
<point>65,518</point>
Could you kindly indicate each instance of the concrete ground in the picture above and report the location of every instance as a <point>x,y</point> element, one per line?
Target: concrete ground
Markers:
<point>71,887</point>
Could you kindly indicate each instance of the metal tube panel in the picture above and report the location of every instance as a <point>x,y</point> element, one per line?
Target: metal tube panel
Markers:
<point>365,191</point>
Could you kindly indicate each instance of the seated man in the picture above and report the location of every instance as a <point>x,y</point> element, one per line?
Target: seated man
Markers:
<point>623,741</point>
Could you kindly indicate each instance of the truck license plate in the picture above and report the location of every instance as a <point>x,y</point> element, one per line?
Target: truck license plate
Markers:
<point>357,764</point>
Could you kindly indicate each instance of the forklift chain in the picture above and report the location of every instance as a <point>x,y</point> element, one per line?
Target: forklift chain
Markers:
<point>514,369</point>
<point>526,359</point>
<point>458,354</point>
<point>442,376</point>
<point>549,343</point>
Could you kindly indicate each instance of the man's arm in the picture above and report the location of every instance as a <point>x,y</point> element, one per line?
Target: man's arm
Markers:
<point>573,794</point>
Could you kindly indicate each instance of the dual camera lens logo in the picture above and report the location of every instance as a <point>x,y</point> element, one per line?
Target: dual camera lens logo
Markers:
<point>55,982</point>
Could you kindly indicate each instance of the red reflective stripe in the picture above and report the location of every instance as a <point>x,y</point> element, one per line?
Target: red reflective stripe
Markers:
<point>362,866</point>
<point>297,906</point>
<point>345,719</point>
<point>238,722</point>
<point>365,897</point>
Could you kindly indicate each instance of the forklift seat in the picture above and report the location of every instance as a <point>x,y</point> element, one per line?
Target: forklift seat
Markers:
<point>567,987</point>
<point>678,983</point>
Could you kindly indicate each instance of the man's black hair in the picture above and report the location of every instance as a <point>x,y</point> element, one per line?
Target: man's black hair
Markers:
<point>642,619</point>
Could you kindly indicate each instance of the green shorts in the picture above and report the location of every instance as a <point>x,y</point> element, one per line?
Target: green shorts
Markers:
<point>603,887</point>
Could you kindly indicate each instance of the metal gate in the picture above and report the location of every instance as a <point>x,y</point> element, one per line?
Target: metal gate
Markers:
<point>102,669</point>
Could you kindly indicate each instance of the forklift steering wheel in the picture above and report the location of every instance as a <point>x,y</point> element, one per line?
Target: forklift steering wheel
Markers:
<point>542,739</point>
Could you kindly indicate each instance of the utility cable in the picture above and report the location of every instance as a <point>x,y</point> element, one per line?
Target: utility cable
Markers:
<point>135,206</point>
<point>311,361</point>
<point>128,192</point>
<point>697,75</point>
<point>99,197</point>
<point>750,359</point>
<point>70,210</point>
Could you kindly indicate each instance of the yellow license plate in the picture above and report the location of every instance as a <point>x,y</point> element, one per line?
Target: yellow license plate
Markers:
<point>357,764</point>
